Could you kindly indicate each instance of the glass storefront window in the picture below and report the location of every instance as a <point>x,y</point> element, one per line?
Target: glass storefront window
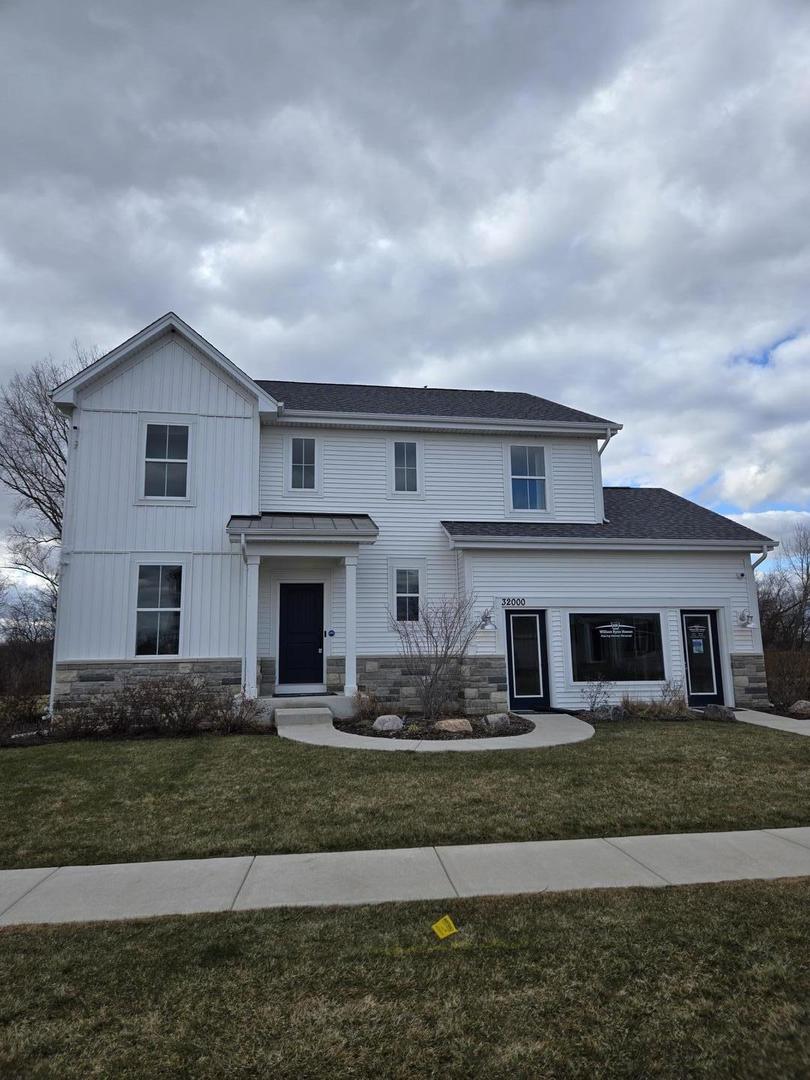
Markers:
<point>618,647</point>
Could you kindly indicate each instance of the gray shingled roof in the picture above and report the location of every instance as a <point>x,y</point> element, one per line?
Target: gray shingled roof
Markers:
<point>416,401</point>
<point>304,526</point>
<point>633,514</point>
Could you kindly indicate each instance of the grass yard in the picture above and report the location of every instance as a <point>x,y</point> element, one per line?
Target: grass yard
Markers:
<point>91,802</point>
<point>701,981</point>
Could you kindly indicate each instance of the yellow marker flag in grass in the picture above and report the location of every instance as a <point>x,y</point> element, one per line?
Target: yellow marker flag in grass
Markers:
<point>444,927</point>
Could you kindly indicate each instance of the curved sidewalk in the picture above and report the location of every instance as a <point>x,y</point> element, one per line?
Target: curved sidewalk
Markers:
<point>550,729</point>
<point>441,873</point>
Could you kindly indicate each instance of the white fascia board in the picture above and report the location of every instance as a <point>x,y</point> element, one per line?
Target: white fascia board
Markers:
<point>64,396</point>
<point>316,418</point>
<point>574,543</point>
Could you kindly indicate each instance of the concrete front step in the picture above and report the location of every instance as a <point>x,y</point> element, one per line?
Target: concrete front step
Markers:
<point>285,717</point>
<point>336,704</point>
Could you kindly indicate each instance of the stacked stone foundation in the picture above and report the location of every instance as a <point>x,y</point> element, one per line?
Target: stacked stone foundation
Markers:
<point>750,681</point>
<point>78,680</point>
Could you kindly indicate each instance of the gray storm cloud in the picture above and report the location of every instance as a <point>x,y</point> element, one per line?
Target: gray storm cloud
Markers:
<point>605,204</point>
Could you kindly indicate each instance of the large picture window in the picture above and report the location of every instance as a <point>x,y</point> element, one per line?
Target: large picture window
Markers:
<point>158,620</point>
<point>621,648</point>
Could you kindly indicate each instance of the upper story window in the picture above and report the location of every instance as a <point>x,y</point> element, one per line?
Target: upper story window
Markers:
<point>166,467</point>
<point>157,631</point>
<point>302,459</point>
<point>405,473</point>
<point>527,477</point>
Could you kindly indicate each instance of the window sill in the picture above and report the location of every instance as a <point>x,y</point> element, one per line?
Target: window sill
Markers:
<point>156,500</point>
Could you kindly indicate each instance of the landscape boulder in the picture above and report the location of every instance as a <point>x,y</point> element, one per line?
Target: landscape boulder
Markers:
<point>456,727</point>
<point>718,712</point>
<point>389,722</point>
<point>800,709</point>
<point>497,721</point>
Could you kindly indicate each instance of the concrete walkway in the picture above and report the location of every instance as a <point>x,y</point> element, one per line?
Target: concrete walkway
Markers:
<point>137,890</point>
<point>550,729</point>
<point>778,723</point>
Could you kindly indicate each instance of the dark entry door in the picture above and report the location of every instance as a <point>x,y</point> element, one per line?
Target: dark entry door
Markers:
<point>300,633</point>
<point>704,681</point>
<point>526,660</point>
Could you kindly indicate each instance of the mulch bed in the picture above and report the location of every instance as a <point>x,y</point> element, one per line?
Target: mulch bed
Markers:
<point>417,727</point>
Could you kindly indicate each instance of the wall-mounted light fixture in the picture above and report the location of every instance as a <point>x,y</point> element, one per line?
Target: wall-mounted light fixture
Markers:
<point>746,618</point>
<point>486,621</point>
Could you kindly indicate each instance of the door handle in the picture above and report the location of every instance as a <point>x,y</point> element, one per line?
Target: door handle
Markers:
<point>320,651</point>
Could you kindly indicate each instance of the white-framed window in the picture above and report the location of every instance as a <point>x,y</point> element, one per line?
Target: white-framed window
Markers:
<point>165,473</point>
<point>166,462</point>
<point>405,468</point>
<point>527,477</point>
<point>158,609</point>
<point>302,465</point>
<point>407,579</point>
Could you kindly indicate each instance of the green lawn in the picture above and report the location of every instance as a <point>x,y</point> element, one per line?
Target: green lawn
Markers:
<point>89,802</point>
<point>703,981</point>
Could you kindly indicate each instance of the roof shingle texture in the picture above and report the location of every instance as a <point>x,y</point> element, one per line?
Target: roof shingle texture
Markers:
<point>633,514</point>
<point>418,401</point>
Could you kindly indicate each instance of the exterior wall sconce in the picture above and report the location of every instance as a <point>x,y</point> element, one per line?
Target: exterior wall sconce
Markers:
<point>486,621</point>
<point>746,618</point>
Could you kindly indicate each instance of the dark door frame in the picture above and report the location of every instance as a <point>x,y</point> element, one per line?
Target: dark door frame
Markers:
<point>283,660</point>
<point>528,704</point>
<point>718,697</point>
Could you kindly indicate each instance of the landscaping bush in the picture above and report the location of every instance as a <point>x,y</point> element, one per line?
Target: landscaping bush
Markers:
<point>20,713</point>
<point>788,676</point>
<point>172,706</point>
<point>671,704</point>
<point>367,706</point>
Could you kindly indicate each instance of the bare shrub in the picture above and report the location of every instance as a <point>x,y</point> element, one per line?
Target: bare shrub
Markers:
<point>596,694</point>
<point>788,676</point>
<point>20,714</point>
<point>367,706</point>
<point>433,649</point>
<point>179,706</point>
<point>670,705</point>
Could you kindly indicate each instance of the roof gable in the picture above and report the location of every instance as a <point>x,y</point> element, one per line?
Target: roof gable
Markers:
<point>65,395</point>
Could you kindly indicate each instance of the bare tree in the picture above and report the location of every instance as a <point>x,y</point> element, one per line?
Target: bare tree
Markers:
<point>33,454</point>
<point>784,594</point>
<point>28,617</point>
<point>433,649</point>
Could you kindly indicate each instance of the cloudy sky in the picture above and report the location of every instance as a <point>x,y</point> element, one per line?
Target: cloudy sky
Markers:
<point>607,204</point>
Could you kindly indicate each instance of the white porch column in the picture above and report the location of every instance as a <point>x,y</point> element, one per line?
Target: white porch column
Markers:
<point>252,627</point>
<point>350,683</point>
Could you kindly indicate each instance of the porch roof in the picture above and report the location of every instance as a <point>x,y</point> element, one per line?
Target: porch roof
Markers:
<point>342,528</point>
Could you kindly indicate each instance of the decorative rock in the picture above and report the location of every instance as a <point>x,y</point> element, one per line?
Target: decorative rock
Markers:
<point>388,723</point>
<point>497,720</point>
<point>718,712</point>
<point>458,727</point>
<point>801,709</point>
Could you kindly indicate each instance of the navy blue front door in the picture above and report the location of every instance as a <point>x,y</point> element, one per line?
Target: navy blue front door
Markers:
<point>300,633</point>
<point>526,660</point>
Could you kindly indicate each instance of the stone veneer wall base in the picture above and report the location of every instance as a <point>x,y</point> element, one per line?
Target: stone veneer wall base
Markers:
<point>750,681</point>
<point>78,680</point>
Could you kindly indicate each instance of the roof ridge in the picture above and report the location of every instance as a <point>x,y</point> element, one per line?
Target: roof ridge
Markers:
<point>398,386</point>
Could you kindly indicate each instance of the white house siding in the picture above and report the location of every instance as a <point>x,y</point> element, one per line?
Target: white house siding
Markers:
<point>107,529</point>
<point>560,582</point>
<point>464,477</point>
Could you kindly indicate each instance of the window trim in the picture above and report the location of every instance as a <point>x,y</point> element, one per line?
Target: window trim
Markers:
<point>627,609</point>
<point>394,564</point>
<point>548,509</point>
<point>159,558</point>
<point>405,437</point>
<point>302,493</point>
<point>178,420</point>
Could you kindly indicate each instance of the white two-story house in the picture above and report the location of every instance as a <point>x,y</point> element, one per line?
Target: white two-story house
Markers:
<point>263,534</point>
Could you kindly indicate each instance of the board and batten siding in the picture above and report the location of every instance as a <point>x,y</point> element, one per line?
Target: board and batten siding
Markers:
<point>108,530</point>
<point>614,582</point>
<point>463,477</point>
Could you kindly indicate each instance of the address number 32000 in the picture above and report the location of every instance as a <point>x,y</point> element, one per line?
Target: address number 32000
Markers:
<point>513,601</point>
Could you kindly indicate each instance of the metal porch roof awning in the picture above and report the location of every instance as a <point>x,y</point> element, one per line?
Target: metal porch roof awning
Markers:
<point>341,528</point>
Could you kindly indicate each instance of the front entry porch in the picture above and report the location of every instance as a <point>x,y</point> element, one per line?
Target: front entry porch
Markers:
<point>300,601</point>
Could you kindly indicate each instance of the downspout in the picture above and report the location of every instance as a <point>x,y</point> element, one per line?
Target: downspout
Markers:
<point>243,548</point>
<point>761,559</point>
<point>608,437</point>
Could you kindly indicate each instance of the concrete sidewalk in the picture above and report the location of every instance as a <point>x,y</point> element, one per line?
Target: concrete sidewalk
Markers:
<point>776,723</point>
<point>136,890</point>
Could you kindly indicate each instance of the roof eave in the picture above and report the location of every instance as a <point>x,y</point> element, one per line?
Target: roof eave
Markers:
<point>608,543</point>
<point>595,428</point>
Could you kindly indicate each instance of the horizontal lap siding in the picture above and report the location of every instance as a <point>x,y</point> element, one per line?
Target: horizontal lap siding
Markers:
<point>611,581</point>
<point>463,478</point>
